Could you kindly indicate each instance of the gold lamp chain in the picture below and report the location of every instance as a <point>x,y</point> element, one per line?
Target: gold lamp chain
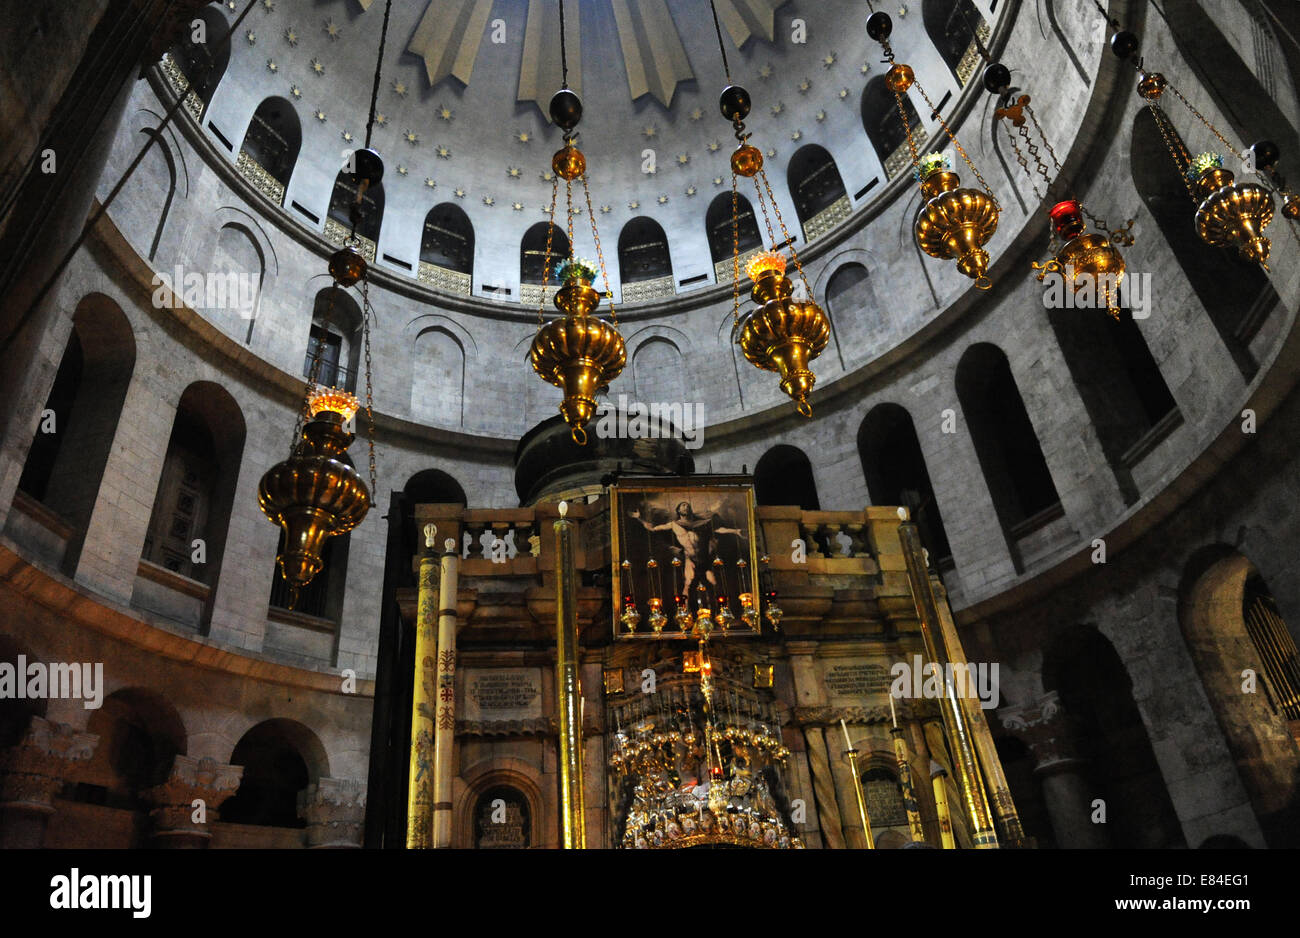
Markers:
<point>794,255</point>
<point>735,250</point>
<point>1039,165</point>
<point>1020,158</point>
<point>1047,143</point>
<point>568,212</point>
<point>600,254</point>
<point>1182,159</point>
<point>313,375</point>
<point>546,264</point>
<point>370,391</point>
<point>1201,117</point>
<point>907,130</point>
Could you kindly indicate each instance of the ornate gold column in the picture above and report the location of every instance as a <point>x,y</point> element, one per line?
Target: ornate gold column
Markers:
<point>444,734</point>
<point>965,762</point>
<point>419,797</point>
<point>1009,826</point>
<point>573,828</point>
<point>914,825</point>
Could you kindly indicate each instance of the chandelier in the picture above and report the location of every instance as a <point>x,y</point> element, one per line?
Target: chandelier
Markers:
<point>953,222</point>
<point>1229,214</point>
<point>781,334</point>
<point>701,764</point>
<point>314,494</point>
<point>577,352</point>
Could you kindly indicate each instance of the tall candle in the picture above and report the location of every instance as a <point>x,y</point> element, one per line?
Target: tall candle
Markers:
<point>893,717</point>
<point>847,741</point>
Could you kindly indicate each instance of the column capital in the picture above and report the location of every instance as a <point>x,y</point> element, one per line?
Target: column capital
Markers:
<point>204,779</point>
<point>33,769</point>
<point>1046,728</point>
<point>335,809</point>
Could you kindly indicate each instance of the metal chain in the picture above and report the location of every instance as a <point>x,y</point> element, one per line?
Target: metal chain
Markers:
<point>956,143</point>
<point>907,131</point>
<point>1020,158</point>
<point>600,254</point>
<point>1039,165</point>
<point>1201,117</point>
<point>546,264</point>
<point>1182,159</point>
<point>735,250</point>
<point>1047,143</point>
<point>794,255</point>
<point>313,375</point>
<point>568,212</point>
<point>367,312</point>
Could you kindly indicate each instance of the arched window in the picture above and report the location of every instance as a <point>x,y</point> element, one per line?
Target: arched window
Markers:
<point>896,473</point>
<point>1118,764</point>
<point>1120,384</point>
<point>65,465</point>
<point>1236,294</point>
<point>643,251</point>
<point>784,476</point>
<point>140,735</point>
<point>335,323</point>
<point>717,226</point>
<point>280,759</point>
<point>448,239</point>
<point>342,199</point>
<point>272,143</point>
<point>532,253</point>
<point>196,489</point>
<point>884,126</point>
<point>203,63</point>
<point>1009,453</point>
<point>322,598</point>
<point>951,26</point>
<point>817,189</point>
<point>501,820</point>
<point>427,487</point>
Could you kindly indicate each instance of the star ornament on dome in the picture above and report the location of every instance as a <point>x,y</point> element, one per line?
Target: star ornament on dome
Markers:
<point>606,209</point>
<point>251,37</point>
<point>347,136</point>
<point>796,135</point>
<point>318,66</point>
<point>717,180</point>
<point>765,72</point>
<point>332,29</point>
<point>381,119</point>
<point>295,91</point>
<point>517,206</point>
<point>429,183</point>
<point>458,192</point>
<point>411,137</point>
<point>271,66</point>
<point>805,86</point>
<point>291,36</point>
<point>402,170</point>
<point>489,201</point>
<point>777,109</point>
<point>714,146</point>
<point>634,205</point>
<point>445,113</point>
<point>829,59</point>
<point>843,93</point>
<point>683,159</point>
<point>320,116</point>
<point>546,175</point>
<point>268,5</point>
<point>443,152</point>
<point>697,113</point>
<point>865,68</point>
<point>821,116</point>
<point>690,191</point>
<point>399,88</point>
<point>523,136</point>
<point>662,200</point>
<point>514,172</point>
<point>650,131</point>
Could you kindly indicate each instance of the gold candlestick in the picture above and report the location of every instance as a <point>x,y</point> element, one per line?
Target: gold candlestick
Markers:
<point>444,735</point>
<point>905,782</point>
<point>938,778</point>
<point>857,788</point>
<point>572,814</point>
<point>419,793</point>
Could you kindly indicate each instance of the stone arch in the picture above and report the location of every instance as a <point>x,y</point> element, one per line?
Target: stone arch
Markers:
<point>280,757</point>
<point>1231,624</point>
<point>1010,455</point>
<point>951,26</point>
<point>884,127</point>
<point>140,734</point>
<point>507,772</point>
<point>344,195</point>
<point>814,181</point>
<point>643,251</point>
<point>235,280</point>
<point>718,228</point>
<point>438,386</point>
<point>658,371</point>
<point>65,468</point>
<point>336,321</point>
<point>784,476</point>
<point>1236,294</point>
<point>158,172</point>
<point>196,493</point>
<point>204,63</point>
<point>1116,760</point>
<point>273,140</point>
<point>896,474</point>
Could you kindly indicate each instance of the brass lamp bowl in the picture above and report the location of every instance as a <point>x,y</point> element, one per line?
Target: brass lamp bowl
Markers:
<point>784,335</point>
<point>579,354</point>
<point>956,223</point>
<point>313,495</point>
<point>1234,214</point>
<point>1091,258</point>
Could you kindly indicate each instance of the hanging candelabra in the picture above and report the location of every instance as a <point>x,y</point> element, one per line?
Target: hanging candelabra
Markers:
<point>953,222</point>
<point>577,352</point>
<point>1228,213</point>
<point>1085,260</point>
<point>782,334</point>
<point>314,494</point>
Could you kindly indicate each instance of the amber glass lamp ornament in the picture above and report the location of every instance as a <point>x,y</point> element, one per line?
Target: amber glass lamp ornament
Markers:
<point>954,221</point>
<point>578,353</point>
<point>782,334</point>
<point>1229,214</point>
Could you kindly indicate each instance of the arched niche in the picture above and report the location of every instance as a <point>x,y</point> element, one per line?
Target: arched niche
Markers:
<point>1117,761</point>
<point>448,239</point>
<point>65,464</point>
<point>884,126</point>
<point>951,26</point>
<point>235,287</point>
<point>272,141</point>
<point>532,253</point>
<point>643,251</point>
<point>658,374</point>
<point>815,184</point>
<point>784,476</point>
<point>896,474</point>
<point>1006,445</point>
<point>202,54</point>
<point>280,758</point>
<point>1234,630</point>
<point>438,383</point>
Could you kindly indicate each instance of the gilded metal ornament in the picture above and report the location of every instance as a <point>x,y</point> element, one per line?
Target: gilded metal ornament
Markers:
<point>1234,214</point>
<point>956,223</point>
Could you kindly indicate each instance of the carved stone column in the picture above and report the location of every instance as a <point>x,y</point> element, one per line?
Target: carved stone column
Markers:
<point>178,821</point>
<point>31,774</point>
<point>1045,727</point>
<point>335,809</point>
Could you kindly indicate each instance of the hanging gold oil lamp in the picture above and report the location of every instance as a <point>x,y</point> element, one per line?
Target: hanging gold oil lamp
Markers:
<point>954,221</point>
<point>578,353</point>
<point>1228,213</point>
<point>782,334</point>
